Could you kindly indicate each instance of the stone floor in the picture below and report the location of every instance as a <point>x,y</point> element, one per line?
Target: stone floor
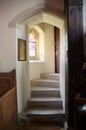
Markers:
<point>39,126</point>
<point>25,123</point>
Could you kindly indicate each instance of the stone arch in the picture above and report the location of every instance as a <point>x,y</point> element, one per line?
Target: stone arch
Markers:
<point>50,12</point>
<point>28,13</point>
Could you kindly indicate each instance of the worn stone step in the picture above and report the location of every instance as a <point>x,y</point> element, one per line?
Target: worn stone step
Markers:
<point>50,115</point>
<point>52,76</point>
<point>46,115</point>
<point>45,83</point>
<point>45,112</point>
<point>37,91</point>
<point>45,103</point>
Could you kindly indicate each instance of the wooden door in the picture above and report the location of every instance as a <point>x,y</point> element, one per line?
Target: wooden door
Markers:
<point>74,13</point>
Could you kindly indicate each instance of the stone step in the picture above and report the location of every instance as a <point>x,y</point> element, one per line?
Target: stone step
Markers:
<point>45,83</point>
<point>46,115</point>
<point>55,103</point>
<point>45,112</point>
<point>52,76</point>
<point>45,102</point>
<point>37,91</point>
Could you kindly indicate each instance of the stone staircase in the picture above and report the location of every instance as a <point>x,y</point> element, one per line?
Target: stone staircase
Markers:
<point>45,103</point>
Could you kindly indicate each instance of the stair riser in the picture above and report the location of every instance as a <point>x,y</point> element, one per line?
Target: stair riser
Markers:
<point>45,84</point>
<point>47,105</point>
<point>45,94</point>
<point>50,76</point>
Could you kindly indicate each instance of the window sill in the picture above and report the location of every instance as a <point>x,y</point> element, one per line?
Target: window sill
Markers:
<point>36,61</point>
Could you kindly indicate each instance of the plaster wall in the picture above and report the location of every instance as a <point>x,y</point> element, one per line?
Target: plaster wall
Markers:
<point>11,10</point>
<point>47,65</point>
<point>49,62</point>
<point>22,72</point>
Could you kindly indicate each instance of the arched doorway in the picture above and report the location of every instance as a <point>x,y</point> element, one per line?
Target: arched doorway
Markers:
<point>53,20</point>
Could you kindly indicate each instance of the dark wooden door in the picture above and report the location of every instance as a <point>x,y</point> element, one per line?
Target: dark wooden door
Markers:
<point>57,49</point>
<point>74,13</point>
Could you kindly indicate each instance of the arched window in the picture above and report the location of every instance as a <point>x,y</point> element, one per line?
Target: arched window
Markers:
<point>33,45</point>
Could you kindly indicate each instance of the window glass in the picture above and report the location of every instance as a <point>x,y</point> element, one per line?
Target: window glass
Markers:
<point>32,46</point>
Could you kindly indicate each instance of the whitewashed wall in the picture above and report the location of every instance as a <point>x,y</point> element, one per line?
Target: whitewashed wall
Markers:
<point>22,72</point>
<point>35,69</point>
<point>49,62</point>
<point>9,9</point>
<point>20,33</point>
<point>47,65</point>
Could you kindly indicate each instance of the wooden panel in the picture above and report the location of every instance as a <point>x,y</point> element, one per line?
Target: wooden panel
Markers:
<point>8,101</point>
<point>75,51</point>
<point>75,2</point>
<point>7,81</point>
<point>1,119</point>
<point>11,74</point>
<point>75,40</point>
<point>5,85</point>
<point>8,108</point>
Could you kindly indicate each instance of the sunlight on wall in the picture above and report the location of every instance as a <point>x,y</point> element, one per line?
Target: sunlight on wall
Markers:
<point>47,65</point>
<point>58,22</point>
<point>22,73</point>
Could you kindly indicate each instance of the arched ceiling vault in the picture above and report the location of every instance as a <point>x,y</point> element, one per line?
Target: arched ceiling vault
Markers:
<point>25,15</point>
<point>45,18</point>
